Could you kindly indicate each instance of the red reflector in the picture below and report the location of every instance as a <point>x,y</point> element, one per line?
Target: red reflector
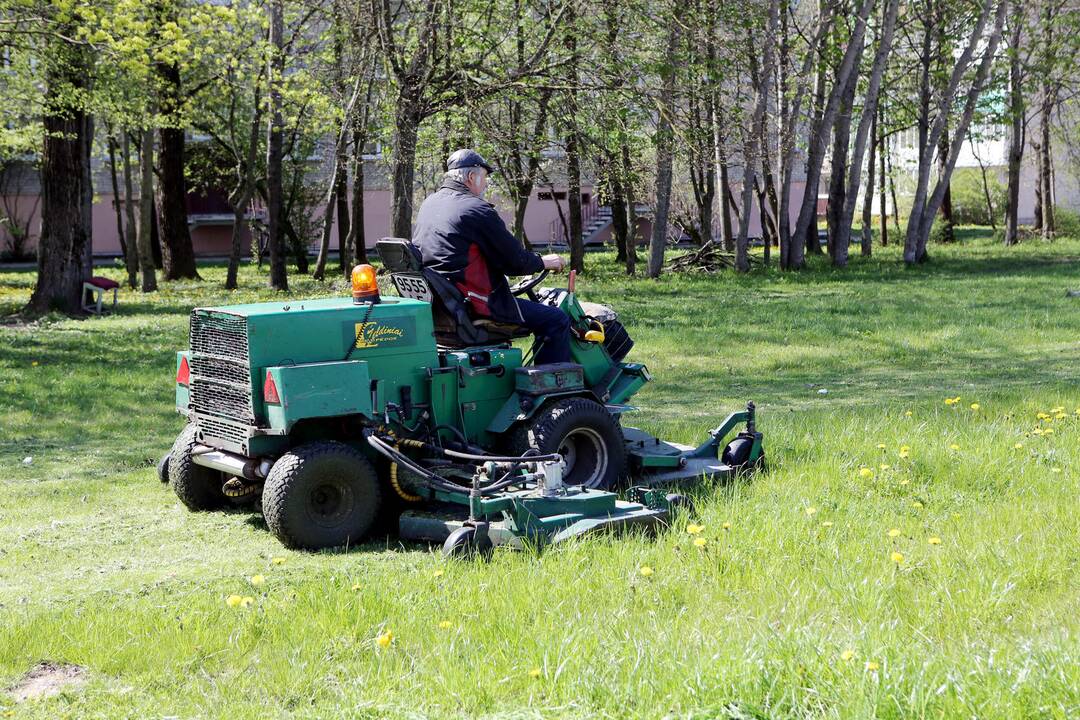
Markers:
<point>270,394</point>
<point>183,373</point>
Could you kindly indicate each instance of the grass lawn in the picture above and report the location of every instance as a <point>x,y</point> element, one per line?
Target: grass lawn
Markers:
<point>901,558</point>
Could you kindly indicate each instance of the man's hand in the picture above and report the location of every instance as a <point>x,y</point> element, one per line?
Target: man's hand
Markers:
<point>553,262</point>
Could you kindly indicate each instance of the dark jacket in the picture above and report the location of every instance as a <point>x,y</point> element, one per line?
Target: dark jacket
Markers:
<point>462,237</point>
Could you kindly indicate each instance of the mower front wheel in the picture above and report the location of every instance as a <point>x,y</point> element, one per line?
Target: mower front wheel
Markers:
<point>585,434</point>
<point>736,455</point>
<point>319,495</point>
<point>198,487</point>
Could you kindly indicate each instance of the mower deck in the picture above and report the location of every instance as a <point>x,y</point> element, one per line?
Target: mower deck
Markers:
<point>437,524</point>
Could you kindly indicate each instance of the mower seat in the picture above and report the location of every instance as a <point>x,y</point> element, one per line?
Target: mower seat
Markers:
<point>454,327</point>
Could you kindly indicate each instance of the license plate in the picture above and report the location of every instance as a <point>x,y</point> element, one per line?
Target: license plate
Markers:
<point>412,286</point>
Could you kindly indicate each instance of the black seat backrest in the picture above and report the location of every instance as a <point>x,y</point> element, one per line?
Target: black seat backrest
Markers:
<point>453,326</point>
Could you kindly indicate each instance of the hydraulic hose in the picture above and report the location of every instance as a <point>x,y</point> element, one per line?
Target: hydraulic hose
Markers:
<point>436,481</point>
<point>402,493</point>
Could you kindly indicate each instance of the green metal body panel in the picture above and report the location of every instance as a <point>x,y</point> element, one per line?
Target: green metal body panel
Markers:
<point>319,390</point>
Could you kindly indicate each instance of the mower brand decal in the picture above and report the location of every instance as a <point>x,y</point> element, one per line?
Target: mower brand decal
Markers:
<point>380,333</point>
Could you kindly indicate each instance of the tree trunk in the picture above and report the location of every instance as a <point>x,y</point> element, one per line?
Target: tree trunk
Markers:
<point>146,211</point>
<point>1016,128</point>
<point>948,234</point>
<point>618,213</point>
<point>177,253</point>
<point>881,191</point>
<point>727,236</point>
<point>274,142</point>
<point>867,131</point>
<point>807,221</point>
<point>132,254</point>
<point>664,155</point>
<point>1046,185</point>
<point>403,171</point>
<point>65,245</point>
<point>357,240</point>
<point>867,246</point>
<point>631,212</point>
<point>111,142</point>
<point>838,241</point>
<point>926,204</point>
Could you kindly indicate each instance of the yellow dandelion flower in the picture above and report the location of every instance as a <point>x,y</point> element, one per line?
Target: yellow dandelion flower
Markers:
<point>811,510</point>
<point>895,532</point>
<point>847,655</point>
<point>233,600</point>
<point>1019,446</point>
<point>726,526</point>
<point>904,454</point>
<point>935,540</point>
<point>916,504</point>
<point>954,446</point>
<point>975,406</point>
<point>871,666</point>
<point>355,587</point>
<point>1048,431</point>
<point>949,401</point>
<point>1055,470</point>
<point>897,558</point>
<point>694,529</point>
<point>1037,431</point>
<point>1043,416</point>
<point>905,448</point>
<point>534,673</point>
<point>1078,411</point>
<point>444,625</point>
<point>866,473</point>
<point>884,466</point>
<point>257,580</point>
<point>904,482</point>
<point>907,413</point>
<point>438,573</point>
<point>699,542</point>
<point>827,524</point>
<point>645,571</point>
<point>246,600</point>
<point>277,561</point>
<point>881,446</point>
<point>1059,408</point>
<point>34,364</point>
<point>385,639</point>
<point>1060,416</point>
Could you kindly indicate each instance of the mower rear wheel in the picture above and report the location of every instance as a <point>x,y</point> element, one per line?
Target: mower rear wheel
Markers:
<point>322,494</point>
<point>464,543</point>
<point>585,434</point>
<point>163,469</point>
<point>737,455</point>
<point>198,487</point>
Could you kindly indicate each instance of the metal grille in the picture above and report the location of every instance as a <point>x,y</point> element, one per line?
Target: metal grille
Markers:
<point>236,372</point>
<point>221,373</point>
<point>213,429</point>
<point>219,334</point>
<point>221,399</point>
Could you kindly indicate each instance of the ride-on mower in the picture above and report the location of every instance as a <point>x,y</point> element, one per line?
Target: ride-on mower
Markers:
<point>335,413</point>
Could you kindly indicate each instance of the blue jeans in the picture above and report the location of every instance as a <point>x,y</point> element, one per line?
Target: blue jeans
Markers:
<point>552,327</point>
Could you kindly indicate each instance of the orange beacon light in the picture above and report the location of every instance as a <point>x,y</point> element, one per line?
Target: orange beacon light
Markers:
<point>364,286</point>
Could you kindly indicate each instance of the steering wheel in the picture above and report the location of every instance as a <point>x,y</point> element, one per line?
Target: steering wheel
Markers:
<point>526,285</point>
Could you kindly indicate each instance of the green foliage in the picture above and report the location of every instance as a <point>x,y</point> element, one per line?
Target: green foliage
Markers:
<point>1066,222</point>
<point>101,567</point>
<point>969,197</point>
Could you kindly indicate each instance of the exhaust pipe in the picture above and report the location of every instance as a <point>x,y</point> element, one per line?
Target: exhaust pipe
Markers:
<point>230,463</point>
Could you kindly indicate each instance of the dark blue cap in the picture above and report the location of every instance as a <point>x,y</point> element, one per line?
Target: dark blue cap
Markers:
<point>467,158</point>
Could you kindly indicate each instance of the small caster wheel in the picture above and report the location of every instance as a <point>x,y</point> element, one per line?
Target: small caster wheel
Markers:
<point>464,543</point>
<point>163,469</point>
<point>678,503</point>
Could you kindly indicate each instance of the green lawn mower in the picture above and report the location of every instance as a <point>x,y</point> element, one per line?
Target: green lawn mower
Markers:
<point>337,415</point>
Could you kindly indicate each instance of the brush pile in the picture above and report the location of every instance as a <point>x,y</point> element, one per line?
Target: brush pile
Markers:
<point>709,258</point>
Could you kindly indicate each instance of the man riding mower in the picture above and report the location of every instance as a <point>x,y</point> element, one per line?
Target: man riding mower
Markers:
<point>333,414</point>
